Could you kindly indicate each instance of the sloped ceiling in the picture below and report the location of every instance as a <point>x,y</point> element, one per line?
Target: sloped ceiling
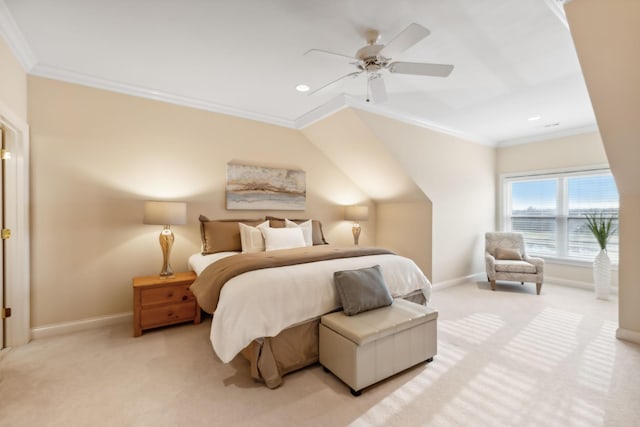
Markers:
<point>609,55</point>
<point>513,59</point>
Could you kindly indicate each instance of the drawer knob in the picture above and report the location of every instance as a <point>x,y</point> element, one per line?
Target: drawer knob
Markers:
<point>184,297</point>
<point>170,294</point>
<point>169,314</point>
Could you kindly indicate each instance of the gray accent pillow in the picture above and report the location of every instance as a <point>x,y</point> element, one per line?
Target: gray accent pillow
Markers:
<point>361,290</point>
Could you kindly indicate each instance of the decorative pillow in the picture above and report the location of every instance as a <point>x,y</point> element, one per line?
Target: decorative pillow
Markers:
<point>316,228</point>
<point>508,254</point>
<point>222,235</point>
<point>251,237</point>
<point>306,227</point>
<point>362,290</point>
<point>282,238</point>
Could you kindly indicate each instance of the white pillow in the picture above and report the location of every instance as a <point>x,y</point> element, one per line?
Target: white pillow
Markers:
<point>251,237</point>
<point>307,230</point>
<point>282,238</point>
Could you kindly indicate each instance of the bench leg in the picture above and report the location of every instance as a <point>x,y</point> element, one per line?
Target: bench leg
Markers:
<point>493,285</point>
<point>538,287</point>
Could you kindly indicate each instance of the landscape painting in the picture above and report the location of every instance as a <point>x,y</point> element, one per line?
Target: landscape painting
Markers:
<point>256,187</point>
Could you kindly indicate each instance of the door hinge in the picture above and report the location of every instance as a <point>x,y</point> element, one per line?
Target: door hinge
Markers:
<point>5,154</point>
<point>6,312</point>
<point>6,233</point>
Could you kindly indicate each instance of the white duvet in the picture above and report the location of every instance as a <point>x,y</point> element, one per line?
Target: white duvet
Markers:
<point>261,303</point>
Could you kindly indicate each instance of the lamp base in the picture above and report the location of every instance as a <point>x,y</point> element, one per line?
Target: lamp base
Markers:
<point>166,242</point>
<point>356,233</point>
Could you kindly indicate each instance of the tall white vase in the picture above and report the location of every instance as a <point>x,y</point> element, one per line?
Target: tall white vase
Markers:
<point>602,275</point>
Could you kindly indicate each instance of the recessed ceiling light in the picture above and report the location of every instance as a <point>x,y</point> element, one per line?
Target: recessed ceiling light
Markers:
<point>303,88</point>
<point>534,118</point>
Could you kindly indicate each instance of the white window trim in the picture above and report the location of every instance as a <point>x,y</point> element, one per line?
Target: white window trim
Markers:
<point>550,173</point>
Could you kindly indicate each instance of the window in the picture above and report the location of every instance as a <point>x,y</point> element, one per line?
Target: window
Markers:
<point>550,211</point>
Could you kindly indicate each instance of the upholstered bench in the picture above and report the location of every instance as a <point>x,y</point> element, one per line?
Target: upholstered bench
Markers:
<point>371,346</point>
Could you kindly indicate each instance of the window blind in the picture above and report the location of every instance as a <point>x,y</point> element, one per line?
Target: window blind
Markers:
<point>550,211</point>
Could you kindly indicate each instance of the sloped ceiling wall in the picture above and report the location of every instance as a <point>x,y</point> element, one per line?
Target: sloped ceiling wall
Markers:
<point>458,176</point>
<point>401,164</point>
<point>606,36</point>
<point>402,214</point>
<point>353,147</point>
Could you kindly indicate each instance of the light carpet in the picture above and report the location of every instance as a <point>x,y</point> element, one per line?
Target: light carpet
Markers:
<point>505,358</point>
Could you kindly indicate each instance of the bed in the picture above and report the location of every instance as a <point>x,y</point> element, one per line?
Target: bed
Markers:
<point>267,305</point>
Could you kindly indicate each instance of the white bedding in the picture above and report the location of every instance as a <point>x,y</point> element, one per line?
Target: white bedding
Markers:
<point>261,303</point>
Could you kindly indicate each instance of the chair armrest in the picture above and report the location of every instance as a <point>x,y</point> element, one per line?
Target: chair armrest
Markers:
<point>538,262</point>
<point>490,265</point>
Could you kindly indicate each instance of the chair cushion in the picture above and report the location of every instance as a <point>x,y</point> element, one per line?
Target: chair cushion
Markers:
<point>515,267</point>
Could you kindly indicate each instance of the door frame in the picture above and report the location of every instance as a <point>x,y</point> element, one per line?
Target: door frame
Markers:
<point>17,273</point>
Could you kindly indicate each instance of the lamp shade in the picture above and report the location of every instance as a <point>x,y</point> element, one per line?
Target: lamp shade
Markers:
<point>165,213</point>
<point>356,213</point>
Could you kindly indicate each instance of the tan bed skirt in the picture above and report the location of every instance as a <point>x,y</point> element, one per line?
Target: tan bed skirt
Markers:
<point>294,348</point>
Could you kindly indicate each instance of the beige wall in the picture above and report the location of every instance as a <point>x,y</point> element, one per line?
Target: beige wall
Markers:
<point>576,151</point>
<point>458,177</point>
<point>13,83</point>
<point>606,36</point>
<point>96,155</point>
<point>629,298</point>
<point>425,185</point>
<point>558,153</point>
<point>351,145</point>
<point>405,227</point>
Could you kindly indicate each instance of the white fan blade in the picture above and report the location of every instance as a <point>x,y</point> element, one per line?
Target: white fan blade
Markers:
<point>420,69</point>
<point>314,51</point>
<point>377,90</point>
<point>403,41</point>
<point>354,74</point>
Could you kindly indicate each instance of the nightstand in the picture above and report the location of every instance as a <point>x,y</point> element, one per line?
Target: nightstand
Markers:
<point>163,301</point>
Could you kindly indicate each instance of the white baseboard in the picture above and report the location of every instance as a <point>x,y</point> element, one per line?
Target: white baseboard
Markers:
<point>80,325</point>
<point>478,277</point>
<point>628,335</point>
<point>576,284</point>
<point>570,283</point>
<point>458,281</point>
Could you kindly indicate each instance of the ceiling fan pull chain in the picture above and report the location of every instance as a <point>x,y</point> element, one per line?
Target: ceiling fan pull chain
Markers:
<point>366,81</point>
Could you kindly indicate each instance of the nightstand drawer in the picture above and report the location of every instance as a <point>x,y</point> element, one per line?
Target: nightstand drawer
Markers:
<point>167,314</point>
<point>166,295</point>
<point>162,301</point>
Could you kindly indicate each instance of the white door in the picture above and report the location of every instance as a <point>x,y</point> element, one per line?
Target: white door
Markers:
<point>2,262</point>
<point>14,215</point>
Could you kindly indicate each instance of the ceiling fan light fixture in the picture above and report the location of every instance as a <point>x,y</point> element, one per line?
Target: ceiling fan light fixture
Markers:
<point>374,58</point>
<point>303,88</point>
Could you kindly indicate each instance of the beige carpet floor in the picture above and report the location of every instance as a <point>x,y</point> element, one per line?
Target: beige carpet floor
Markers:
<point>505,358</point>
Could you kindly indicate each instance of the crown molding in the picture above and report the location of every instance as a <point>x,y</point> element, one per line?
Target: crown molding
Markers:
<point>380,110</point>
<point>551,135</point>
<point>323,111</point>
<point>128,89</point>
<point>15,40</point>
<point>557,7</point>
<point>344,101</point>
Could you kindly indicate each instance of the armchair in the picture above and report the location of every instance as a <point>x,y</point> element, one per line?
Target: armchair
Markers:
<point>506,259</point>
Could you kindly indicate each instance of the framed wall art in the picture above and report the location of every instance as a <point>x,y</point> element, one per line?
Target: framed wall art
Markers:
<point>256,187</point>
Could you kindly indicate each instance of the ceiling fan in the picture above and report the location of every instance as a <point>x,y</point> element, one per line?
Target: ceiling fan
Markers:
<point>373,58</point>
